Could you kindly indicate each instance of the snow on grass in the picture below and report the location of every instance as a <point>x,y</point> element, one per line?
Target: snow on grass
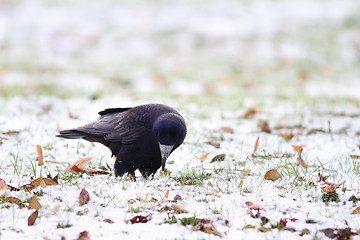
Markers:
<point>209,190</point>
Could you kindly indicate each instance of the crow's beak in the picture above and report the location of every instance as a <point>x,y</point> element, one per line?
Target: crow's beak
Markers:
<point>165,152</point>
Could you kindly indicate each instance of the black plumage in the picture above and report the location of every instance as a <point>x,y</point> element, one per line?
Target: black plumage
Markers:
<point>141,137</point>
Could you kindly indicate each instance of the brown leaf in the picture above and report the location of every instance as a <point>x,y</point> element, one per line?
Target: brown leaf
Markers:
<point>178,208</point>
<point>302,162</point>
<point>246,172</point>
<point>339,233</point>
<point>250,113</point>
<point>355,156</point>
<point>287,136</point>
<point>177,198</point>
<point>37,182</point>
<point>83,197</point>
<point>272,175</point>
<point>83,236</point>
<point>204,156</point>
<point>356,211</point>
<point>256,146</point>
<point>139,219</point>
<point>322,178</point>
<point>298,149</point>
<point>264,126</point>
<point>40,155</point>
<point>34,203</point>
<point>227,130</point>
<point>213,194</point>
<point>79,165</point>
<point>14,200</point>
<point>329,189</point>
<point>254,209</point>
<point>3,187</point>
<point>32,218</point>
<point>213,143</point>
<point>218,158</point>
<point>107,220</point>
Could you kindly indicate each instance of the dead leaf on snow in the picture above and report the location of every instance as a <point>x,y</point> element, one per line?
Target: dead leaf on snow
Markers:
<point>79,165</point>
<point>32,218</point>
<point>83,236</point>
<point>298,149</point>
<point>107,220</point>
<point>256,146</point>
<point>204,156</point>
<point>302,162</point>
<point>34,203</point>
<point>246,172</point>
<point>166,196</point>
<point>356,211</point>
<point>14,200</point>
<point>227,130</point>
<point>3,187</point>
<point>254,209</point>
<point>355,156</point>
<point>177,198</point>
<point>339,233</point>
<point>40,182</point>
<point>241,184</point>
<point>272,175</point>
<point>213,143</point>
<point>54,209</point>
<point>287,136</point>
<point>40,155</point>
<point>177,208</point>
<point>322,178</point>
<point>250,113</point>
<point>264,126</point>
<point>139,219</point>
<point>218,158</point>
<point>83,197</point>
<point>329,189</point>
<point>213,194</point>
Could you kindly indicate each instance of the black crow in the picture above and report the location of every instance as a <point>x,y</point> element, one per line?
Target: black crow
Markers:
<point>141,137</point>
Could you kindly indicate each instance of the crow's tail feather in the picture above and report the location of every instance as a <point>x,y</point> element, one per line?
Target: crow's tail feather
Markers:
<point>71,134</point>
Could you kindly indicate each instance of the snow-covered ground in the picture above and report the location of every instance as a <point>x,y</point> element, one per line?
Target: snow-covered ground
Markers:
<point>294,63</point>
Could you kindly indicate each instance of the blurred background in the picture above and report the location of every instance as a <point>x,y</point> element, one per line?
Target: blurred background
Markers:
<point>71,48</point>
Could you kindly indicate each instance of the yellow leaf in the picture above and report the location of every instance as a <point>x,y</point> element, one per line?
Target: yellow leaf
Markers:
<point>356,211</point>
<point>166,194</point>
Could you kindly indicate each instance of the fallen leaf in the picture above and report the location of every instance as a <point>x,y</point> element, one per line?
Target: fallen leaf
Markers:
<point>37,182</point>
<point>241,184</point>
<point>204,156</point>
<point>272,175</point>
<point>3,187</point>
<point>218,158</point>
<point>34,203</point>
<point>139,219</point>
<point>213,143</point>
<point>79,165</point>
<point>302,162</point>
<point>250,113</point>
<point>339,233</point>
<point>254,209</point>
<point>178,208</point>
<point>107,220</point>
<point>264,126</point>
<point>287,136</point>
<point>54,209</point>
<point>246,172</point>
<point>256,146</point>
<point>14,200</point>
<point>356,211</point>
<point>83,236</point>
<point>42,184</point>
<point>322,178</point>
<point>166,196</point>
<point>329,189</point>
<point>213,194</point>
<point>355,156</point>
<point>40,155</point>
<point>32,218</point>
<point>177,198</point>
<point>83,197</point>
<point>298,149</point>
<point>227,130</point>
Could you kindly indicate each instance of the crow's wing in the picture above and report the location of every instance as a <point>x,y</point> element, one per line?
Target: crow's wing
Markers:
<point>117,125</point>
